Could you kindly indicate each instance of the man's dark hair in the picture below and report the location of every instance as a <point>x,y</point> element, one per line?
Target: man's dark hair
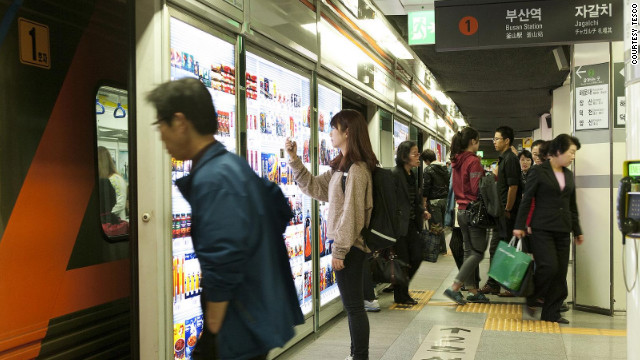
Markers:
<point>537,142</point>
<point>561,144</point>
<point>403,152</point>
<point>428,155</point>
<point>507,133</point>
<point>190,97</point>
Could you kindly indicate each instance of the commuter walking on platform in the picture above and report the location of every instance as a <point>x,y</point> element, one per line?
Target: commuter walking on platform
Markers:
<point>509,188</point>
<point>526,161</point>
<point>249,300</point>
<point>435,189</point>
<point>347,186</point>
<point>466,175</point>
<point>538,151</point>
<point>554,218</point>
<point>410,204</point>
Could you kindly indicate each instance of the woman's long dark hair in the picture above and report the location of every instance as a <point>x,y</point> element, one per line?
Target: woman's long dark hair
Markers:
<point>461,140</point>
<point>358,141</point>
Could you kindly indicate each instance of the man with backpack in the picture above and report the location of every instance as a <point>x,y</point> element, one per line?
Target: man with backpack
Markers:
<point>435,190</point>
<point>249,300</point>
<point>510,191</point>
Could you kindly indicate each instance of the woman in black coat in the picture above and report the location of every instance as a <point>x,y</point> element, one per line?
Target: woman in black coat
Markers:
<point>409,245</point>
<point>554,218</point>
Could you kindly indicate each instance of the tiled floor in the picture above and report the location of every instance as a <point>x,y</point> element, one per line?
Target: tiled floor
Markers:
<point>397,334</point>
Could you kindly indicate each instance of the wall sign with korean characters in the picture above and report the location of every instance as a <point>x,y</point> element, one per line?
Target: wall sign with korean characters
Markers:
<point>462,25</point>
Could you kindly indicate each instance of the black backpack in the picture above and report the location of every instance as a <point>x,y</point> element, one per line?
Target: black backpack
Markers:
<point>488,189</point>
<point>440,176</point>
<point>382,229</point>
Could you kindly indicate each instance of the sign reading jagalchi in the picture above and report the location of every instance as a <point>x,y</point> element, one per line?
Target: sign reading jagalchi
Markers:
<point>465,25</point>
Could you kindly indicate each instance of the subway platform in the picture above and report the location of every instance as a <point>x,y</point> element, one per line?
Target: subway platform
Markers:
<point>437,328</point>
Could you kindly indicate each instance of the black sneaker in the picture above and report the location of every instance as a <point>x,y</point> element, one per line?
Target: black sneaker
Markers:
<point>455,296</point>
<point>477,298</point>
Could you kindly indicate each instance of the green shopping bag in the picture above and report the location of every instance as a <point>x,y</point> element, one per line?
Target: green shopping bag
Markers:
<point>509,265</point>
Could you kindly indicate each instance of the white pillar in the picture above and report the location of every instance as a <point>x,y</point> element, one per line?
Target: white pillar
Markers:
<point>632,77</point>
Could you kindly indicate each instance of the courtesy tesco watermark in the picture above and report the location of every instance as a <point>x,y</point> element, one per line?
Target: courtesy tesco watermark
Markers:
<point>634,33</point>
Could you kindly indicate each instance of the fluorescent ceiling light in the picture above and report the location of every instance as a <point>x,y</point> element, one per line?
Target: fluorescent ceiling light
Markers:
<point>440,96</point>
<point>406,96</point>
<point>407,112</point>
<point>461,122</point>
<point>383,35</point>
<point>397,49</point>
<point>311,27</point>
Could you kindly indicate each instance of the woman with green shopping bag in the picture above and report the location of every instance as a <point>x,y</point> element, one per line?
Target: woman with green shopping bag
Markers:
<point>554,218</point>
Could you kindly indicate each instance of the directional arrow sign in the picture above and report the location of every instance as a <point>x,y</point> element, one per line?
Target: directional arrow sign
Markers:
<point>440,344</point>
<point>578,72</point>
<point>455,330</point>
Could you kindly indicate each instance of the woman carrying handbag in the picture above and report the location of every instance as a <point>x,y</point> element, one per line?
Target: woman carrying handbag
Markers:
<point>466,175</point>
<point>349,212</point>
<point>410,204</point>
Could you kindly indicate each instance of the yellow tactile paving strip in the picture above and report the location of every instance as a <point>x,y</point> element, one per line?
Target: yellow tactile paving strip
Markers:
<point>500,311</point>
<point>421,296</point>
<point>589,331</point>
<point>508,317</point>
<point>535,326</point>
<point>504,317</point>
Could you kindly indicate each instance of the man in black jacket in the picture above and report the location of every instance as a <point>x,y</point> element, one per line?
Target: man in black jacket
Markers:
<point>435,189</point>
<point>509,175</point>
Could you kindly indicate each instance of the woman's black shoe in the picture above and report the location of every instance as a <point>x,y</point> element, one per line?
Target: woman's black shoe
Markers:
<point>407,301</point>
<point>562,321</point>
<point>564,308</point>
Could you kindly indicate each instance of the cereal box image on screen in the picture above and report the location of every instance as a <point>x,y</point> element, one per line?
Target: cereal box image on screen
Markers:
<point>270,167</point>
<point>192,333</point>
<point>178,340</point>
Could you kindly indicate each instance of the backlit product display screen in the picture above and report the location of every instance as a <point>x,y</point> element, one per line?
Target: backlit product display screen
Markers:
<point>196,54</point>
<point>278,107</point>
<point>329,103</point>
<point>400,134</point>
<point>200,55</point>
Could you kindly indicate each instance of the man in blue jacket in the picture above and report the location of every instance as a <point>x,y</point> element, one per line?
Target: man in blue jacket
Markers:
<point>249,300</point>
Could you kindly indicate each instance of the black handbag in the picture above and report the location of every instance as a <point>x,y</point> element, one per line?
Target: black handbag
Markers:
<point>389,269</point>
<point>478,215</point>
<point>431,248</point>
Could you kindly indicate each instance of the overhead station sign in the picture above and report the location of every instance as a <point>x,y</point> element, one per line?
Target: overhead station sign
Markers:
<point>462,25</point>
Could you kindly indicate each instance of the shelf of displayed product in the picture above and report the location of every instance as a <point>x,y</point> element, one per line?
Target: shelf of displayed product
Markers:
<point>182,245</point>
<point>296,261</point>
<point>179,203</point>
<point>185,308</point>
<point>328,294</point>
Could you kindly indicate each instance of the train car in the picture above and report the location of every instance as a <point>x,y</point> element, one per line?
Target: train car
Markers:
<point>65,271</point>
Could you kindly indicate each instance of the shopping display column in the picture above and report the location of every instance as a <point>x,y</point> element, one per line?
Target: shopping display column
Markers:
<point>200,55</point>
<point>278,107</point>
<point>329,103</point>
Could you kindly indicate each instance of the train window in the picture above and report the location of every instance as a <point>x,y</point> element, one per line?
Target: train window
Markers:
<point>113,162</point>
